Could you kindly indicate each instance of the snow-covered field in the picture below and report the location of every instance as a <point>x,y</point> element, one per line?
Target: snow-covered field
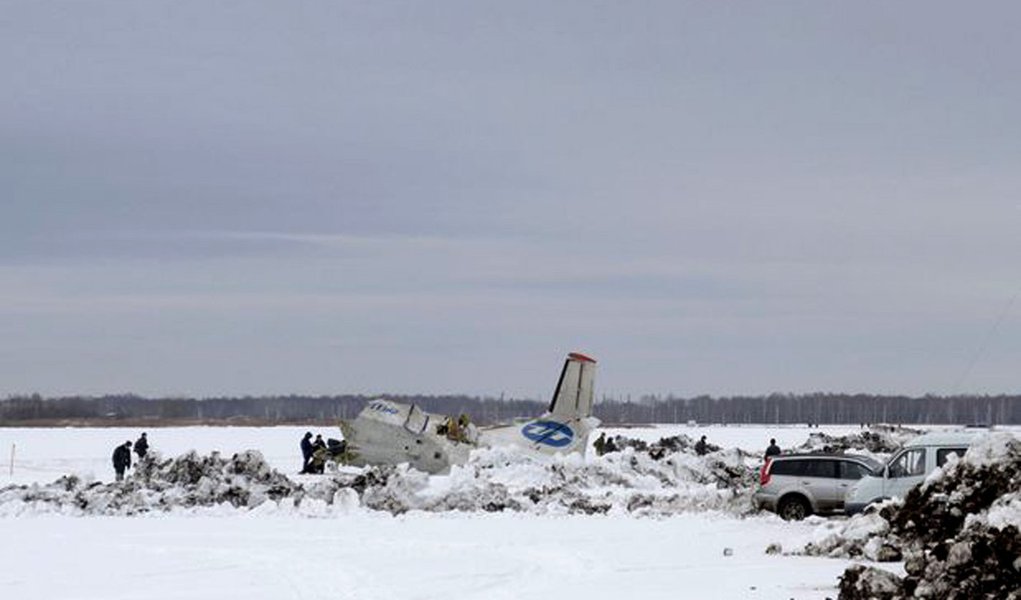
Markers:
<point>360,553</point>
<point>415,556</point>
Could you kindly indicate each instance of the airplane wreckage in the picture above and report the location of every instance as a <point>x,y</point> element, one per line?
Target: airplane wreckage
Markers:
<point>387,432</point>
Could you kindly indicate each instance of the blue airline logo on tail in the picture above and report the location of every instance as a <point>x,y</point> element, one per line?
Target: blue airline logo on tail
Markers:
<point>549,433</point>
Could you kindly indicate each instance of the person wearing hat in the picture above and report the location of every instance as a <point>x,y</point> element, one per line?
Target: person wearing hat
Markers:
<point>142,446</point>
<point>122,459</point>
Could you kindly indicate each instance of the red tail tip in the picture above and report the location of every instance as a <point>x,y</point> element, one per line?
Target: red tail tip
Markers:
<point>581,357</point>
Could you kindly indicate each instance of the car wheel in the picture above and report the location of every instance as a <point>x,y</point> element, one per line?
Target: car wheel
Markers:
<point>794,508</point>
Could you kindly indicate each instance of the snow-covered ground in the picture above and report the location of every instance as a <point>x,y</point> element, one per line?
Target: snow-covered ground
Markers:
<point>376,556</point>
<point>360,553</point>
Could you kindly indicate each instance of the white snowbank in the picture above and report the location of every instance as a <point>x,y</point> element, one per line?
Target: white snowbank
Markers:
<point>493,480</point>
<point>996,447</point>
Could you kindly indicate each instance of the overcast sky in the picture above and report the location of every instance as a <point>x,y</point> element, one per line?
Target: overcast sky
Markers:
<point>262,197</point>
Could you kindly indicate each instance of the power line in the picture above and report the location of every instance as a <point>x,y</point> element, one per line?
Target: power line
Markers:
<point>985,342</point>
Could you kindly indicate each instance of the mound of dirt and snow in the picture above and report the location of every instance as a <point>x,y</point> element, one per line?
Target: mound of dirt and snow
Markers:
<point>878,441</point>
<point>190,480</point>
<point>492,480</point>
<point>957,532</point>
<point>628,481</point>
<point>658,449</point>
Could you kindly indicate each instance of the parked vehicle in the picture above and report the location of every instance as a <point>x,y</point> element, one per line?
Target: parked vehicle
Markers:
<point>797,485</point>
<point>908,467</point>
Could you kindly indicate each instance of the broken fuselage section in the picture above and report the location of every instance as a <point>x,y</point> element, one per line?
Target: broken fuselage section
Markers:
<point>388,432</point>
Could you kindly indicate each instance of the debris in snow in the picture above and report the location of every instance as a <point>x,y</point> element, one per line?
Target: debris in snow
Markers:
<point>243,481</point>
<point>500,479</point>
<point>868,583</point>
<point>774,548</point>
<point>723,468</point>
<point>862,535</point>
<point>493,480</point>
<point>877,440</point>
<point>663,447</point>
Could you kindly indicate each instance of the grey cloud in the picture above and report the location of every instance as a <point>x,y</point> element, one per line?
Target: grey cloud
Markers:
<point>249,196</point>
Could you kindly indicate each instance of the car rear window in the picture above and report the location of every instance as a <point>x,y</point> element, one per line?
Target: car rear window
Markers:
<point>805,468</point>
<point>788,467</point>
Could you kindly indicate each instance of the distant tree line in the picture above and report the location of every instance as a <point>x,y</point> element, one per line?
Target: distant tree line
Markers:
<point>774,408</point>
<point>817,408</point>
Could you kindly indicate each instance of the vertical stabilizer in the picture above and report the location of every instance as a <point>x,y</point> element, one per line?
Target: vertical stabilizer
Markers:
<point>565,427</point>
<point>573,396</point>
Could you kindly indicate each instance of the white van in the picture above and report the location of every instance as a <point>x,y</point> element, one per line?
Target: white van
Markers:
<point>908,467</point>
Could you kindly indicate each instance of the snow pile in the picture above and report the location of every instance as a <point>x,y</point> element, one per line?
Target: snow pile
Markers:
<point>876,441</point>
<point>866,535</point>
<point>869,583</point>
<point>620,482</point>
<point>663,447</point>
<point>957,532</point>
<point>243,481</point>
<point>503,479</point>
<point>725,468</point>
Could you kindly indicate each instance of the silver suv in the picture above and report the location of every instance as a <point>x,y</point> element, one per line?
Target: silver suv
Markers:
<point>797,485</point>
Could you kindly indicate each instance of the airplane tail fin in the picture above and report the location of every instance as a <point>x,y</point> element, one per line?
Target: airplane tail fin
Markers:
<point>573,396</point>
<point>565,427</point>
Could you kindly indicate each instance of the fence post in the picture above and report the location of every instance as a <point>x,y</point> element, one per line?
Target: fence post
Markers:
<point>12,460</point>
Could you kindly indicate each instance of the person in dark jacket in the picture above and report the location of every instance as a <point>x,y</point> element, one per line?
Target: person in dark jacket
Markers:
<point>773,449</point>
<point>701,447</point>
<point>122,459</point>
<point>318,462</point>
<point>306,451</point>
<point>142,446</point>
<point>609,446</point>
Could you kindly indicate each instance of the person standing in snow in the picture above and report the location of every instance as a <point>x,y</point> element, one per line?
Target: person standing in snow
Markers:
<point>609,446</point>
<point>600,444</point>
<point>306,451</point>
<point>122,459</point>
<point>318,464</point>
<point>701,447</point>
<point>142,446</point>
<point>773,449</point>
